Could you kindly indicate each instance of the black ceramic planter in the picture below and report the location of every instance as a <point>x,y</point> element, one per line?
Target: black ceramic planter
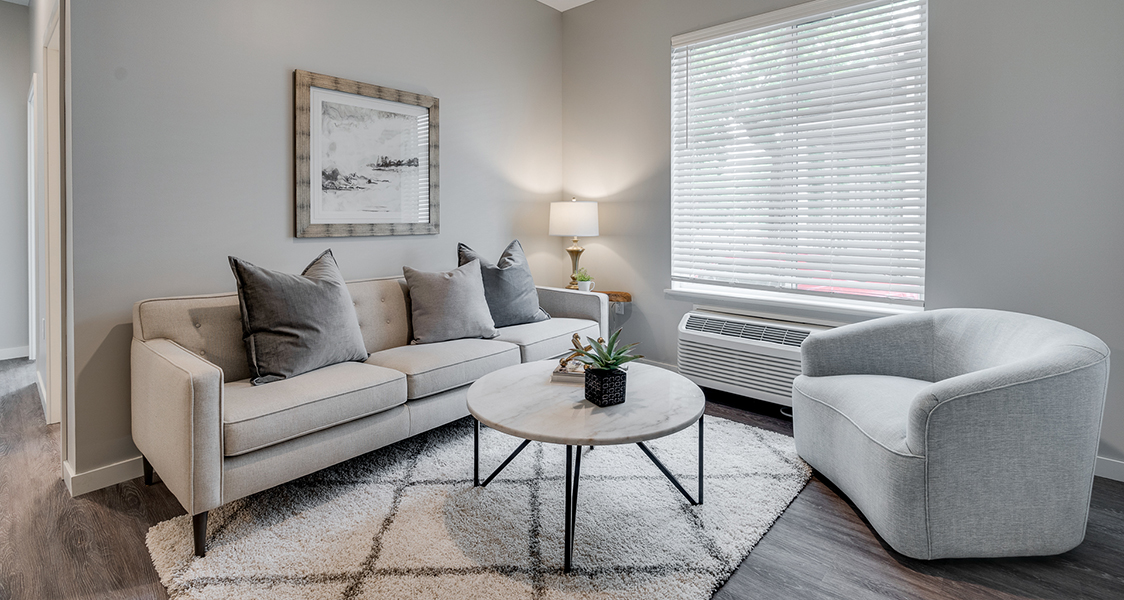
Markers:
<point>605,387</point>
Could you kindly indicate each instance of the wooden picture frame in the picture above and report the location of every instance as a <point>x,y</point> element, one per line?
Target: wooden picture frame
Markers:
<point>372,152</point>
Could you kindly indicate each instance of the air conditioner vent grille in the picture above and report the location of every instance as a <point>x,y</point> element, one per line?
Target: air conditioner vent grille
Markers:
<point>760,375</point>
<point>748,331</point>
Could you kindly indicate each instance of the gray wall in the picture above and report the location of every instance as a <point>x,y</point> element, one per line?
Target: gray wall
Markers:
<point>182,125</point>
<point>1026,147</point>
<point>15,77</point>
<point>182,154</point>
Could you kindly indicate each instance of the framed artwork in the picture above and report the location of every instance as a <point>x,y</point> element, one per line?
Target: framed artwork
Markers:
<point>366,159</point>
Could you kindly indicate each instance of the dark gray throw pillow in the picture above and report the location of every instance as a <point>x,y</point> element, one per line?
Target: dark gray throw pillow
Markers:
<point>508,286</point>
<point>293,324</point>
<point>449,306</point>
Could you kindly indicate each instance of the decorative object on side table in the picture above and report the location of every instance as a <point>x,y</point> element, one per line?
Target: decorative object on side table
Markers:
<point>366,159</point>
<point>575,219</point>
<point>585,282</point>
<point>604,378</point>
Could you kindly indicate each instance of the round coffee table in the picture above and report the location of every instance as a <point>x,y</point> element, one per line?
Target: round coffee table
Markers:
<point>523,402</point>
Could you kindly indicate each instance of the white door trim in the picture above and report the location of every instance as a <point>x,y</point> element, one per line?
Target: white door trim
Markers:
<point>32,296</point>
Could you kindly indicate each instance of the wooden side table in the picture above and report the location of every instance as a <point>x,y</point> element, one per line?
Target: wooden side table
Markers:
<point>616,296</point>
<point>620,308</point>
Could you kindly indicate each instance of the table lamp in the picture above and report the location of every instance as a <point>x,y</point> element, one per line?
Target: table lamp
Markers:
<point>574,219</point>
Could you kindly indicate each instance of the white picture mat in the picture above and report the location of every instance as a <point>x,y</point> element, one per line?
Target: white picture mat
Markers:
<point>391,195</point>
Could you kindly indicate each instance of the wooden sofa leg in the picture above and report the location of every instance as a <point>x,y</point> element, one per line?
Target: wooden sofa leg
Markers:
<point>147,470</point>
<point>199,524</point>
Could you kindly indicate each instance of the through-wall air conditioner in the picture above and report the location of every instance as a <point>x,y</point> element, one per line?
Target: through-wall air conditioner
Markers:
<point>743,355</point>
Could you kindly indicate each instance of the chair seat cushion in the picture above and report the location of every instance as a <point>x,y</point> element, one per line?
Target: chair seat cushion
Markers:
<point>878,405</point>
<point>434,368</point>
<point>255,417</point>
<point>548,339</point>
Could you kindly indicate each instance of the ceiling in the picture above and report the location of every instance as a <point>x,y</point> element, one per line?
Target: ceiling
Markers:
<point>564,5</point>
<point>560,5</point>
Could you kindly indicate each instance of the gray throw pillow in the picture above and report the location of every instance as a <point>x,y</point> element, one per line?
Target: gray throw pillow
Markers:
<point>449,306</point>
<point>293,324</point>
<point>508,286</point>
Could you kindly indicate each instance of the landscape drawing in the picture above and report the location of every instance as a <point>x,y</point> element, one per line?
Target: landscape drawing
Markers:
<point>370,163</point>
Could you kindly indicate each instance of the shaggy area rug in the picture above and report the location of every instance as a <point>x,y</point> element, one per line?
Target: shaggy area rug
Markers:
<point>406,522</point>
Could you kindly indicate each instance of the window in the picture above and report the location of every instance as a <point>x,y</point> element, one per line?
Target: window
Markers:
<point>798,153</point>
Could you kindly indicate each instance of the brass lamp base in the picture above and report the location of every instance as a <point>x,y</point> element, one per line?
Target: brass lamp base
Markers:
<point>575,254</point>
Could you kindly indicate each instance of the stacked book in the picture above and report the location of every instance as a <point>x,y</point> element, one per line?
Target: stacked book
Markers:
<point>563,375</point>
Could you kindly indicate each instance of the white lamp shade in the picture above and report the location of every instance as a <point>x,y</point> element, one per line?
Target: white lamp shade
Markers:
<point>577,219</point>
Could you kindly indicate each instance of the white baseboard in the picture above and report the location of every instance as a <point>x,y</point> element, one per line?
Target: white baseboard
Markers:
<point>20,352</point>
<point>1110,468</point>
<point>101,477</point>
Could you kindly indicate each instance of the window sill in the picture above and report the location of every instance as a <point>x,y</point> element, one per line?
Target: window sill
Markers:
<point>791,307</point>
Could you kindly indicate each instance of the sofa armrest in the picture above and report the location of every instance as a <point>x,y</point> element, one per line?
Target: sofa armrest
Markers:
<point>177,412</point>
<point>574,304</point>
<point>1020,436</point>
<point>1068,382</point>
<point>899,346</point>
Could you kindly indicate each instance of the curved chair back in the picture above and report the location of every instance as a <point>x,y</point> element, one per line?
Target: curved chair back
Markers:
<point>973,339</point>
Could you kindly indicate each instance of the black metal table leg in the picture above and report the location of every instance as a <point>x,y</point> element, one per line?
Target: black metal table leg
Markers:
<point>573,475</point>
<point>573,510</point>
<point>567,531</point>
<point>505,463</point>
<point>701,459</point>
<point>476,458</point>
<point>671,477</point>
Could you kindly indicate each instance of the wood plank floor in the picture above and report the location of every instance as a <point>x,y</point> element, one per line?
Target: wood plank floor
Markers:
<point>54,546</point>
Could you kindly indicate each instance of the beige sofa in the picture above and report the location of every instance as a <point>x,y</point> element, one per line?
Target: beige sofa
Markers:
<point>213,438</point>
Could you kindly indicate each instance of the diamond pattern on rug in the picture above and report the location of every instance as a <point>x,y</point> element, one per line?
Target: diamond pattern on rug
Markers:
<point>406,522</point>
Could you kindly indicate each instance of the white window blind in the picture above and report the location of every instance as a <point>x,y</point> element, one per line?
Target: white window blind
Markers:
<point>798,159</point>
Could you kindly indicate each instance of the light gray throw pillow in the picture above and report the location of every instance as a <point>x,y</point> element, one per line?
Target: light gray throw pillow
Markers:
<point>293,324</point>
<point>508,286</point>
<point>449,306</point>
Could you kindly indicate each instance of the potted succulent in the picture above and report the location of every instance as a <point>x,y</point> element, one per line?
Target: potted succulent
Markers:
<point>604,378</point>
<point>585,281</point>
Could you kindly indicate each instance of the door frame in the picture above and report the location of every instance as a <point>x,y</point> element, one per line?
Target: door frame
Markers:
<point>32,249</point>
<point>53,226</point>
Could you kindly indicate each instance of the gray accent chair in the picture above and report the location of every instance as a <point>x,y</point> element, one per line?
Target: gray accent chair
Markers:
<point>958,433</point>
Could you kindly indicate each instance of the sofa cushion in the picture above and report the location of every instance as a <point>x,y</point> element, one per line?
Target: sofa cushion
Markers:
<point>450,305</point>
<point>434,368</point>
<point>508,285</point>
<point>548,339</point>
<point>293,324</point>
<point>255,417</point>
<point>877,405</point>
<point>383,309</point>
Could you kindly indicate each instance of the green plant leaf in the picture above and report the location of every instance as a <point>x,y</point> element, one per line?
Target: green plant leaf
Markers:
<point>599,349</point>
<point>613,338</point>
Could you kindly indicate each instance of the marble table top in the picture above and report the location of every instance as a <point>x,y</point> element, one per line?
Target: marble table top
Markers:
<point>522,401</point>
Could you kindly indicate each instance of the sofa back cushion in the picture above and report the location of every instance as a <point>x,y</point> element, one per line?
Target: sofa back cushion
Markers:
<point>211,325</point>
<point>974,339</point>
<point>383,306</point>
